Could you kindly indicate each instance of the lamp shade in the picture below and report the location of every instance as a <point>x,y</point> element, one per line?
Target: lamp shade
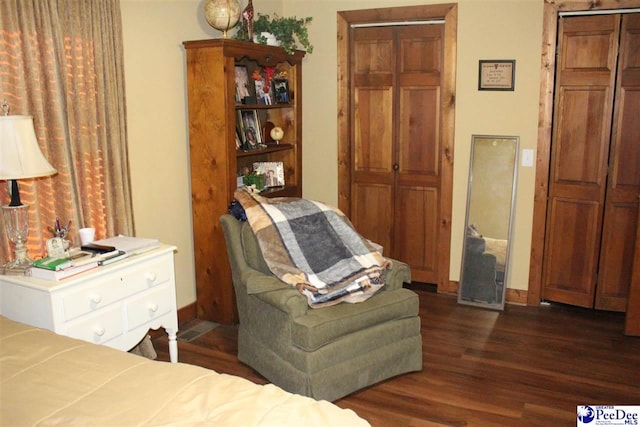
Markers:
<point>20,155</point>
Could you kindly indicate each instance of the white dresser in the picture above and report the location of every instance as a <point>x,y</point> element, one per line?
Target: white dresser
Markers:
<point>113,305</point>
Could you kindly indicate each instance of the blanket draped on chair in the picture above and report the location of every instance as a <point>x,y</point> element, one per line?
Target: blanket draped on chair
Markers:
<point>315,248</point>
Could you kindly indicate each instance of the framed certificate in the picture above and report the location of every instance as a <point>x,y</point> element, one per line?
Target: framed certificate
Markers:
<point>496,74</point>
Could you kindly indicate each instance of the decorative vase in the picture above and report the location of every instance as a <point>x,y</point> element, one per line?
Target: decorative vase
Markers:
<point>271,39</point>
<point>247,19</point>
<point>222,14</point>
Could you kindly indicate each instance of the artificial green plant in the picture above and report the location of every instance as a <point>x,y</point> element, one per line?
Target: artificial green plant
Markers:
<point>289,31</point>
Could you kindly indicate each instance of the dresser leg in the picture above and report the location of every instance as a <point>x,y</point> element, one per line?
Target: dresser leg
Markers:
<point>173,346</point>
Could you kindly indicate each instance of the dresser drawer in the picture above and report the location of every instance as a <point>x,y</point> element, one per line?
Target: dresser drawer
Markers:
<point>148,306</point>
<point>98,328</point>
<point>115,286</point>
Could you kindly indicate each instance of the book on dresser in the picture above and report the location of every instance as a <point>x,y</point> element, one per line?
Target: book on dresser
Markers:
<point>71,270</point>
<point>130,245</point>
<point>73,259</point>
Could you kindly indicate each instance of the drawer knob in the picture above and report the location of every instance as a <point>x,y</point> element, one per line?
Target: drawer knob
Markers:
<point>96,299</point>
<point>153,307</point>
<point>151,276</point>
<point>99,331</point>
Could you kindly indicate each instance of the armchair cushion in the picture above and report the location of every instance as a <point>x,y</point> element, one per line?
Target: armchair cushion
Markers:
<point>322,326</point>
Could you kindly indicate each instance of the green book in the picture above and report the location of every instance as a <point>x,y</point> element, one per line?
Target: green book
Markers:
<point>54,264</point>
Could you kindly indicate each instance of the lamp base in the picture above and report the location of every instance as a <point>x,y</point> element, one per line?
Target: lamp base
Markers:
<point>17,226</point>
<point>20,264</point>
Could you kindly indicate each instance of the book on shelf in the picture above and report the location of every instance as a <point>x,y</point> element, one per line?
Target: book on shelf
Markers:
<point>45,274</point>
<point>128,244</point>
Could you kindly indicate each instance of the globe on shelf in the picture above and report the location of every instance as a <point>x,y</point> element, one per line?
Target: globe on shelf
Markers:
<point>222,14</point>
<point>277,133</point>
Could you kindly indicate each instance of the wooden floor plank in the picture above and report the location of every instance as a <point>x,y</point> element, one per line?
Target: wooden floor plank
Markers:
<point>526,366</point>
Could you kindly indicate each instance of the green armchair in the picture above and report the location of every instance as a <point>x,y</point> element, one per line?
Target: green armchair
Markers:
<point>325,353</point>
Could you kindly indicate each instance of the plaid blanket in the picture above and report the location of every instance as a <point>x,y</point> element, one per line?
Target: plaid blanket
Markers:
<point>315,248</point>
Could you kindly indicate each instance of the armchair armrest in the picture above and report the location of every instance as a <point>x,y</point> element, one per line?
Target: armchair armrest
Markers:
<point>274,292</point>
<point>288,301</point>
<point>398,274</point>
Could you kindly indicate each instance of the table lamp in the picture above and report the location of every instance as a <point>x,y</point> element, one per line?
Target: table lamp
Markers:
<point>20,158</point>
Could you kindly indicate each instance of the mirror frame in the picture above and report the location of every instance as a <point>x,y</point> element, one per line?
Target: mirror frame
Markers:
<point>498,305</point>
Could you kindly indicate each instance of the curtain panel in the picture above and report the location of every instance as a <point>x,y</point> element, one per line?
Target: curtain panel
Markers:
<point>61,61</point>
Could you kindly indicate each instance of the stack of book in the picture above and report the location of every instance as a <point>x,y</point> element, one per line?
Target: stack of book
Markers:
<point>60,268</point>
<point>100,252</point>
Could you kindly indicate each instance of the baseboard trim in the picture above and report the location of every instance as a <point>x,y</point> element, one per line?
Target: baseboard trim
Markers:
<point>187,313</point>
<point>516,296</point>
<point>513,296</point>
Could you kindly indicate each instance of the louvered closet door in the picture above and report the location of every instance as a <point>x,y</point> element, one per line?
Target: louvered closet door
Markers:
<point>396,143</point>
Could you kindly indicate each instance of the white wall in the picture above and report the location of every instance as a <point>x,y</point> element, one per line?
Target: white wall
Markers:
<point>153,32</point>
<point>157,114</point>
<point>157,121</point>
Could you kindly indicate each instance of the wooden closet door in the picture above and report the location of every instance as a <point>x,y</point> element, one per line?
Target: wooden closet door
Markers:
<point>587,51</point>
<point>632,318</point>
<point>372,185</point>
<point>623,187</point>
<point>418,145</point>
<point>396,144</point>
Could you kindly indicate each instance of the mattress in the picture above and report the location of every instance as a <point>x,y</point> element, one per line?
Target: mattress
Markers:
<point>48,379</point>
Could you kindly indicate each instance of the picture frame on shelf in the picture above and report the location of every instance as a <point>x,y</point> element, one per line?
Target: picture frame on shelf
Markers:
<point>238,140</point>
<point>250,130</point>
<point>262,83</point>
<point>281,91</point>
<point>273,173</point>
<point>243,88</point>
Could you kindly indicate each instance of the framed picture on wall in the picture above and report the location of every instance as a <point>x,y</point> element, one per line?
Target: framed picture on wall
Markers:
<point>497,74</point>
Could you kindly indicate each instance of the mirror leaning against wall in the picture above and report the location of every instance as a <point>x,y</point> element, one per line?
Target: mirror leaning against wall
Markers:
<point>490,200</point>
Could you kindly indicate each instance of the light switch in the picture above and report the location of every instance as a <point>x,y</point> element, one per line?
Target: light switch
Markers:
<point>527,157</point>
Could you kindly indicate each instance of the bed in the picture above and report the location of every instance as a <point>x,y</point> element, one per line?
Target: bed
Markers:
<point>49,379</point>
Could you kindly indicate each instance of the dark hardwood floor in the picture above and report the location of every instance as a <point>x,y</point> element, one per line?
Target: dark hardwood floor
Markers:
<point>526,366</point>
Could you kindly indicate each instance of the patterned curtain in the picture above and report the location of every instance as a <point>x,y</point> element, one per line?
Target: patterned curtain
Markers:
<point>61,61</point>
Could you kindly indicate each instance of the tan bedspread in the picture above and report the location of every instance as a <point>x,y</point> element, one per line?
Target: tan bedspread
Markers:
<point>47,379</point>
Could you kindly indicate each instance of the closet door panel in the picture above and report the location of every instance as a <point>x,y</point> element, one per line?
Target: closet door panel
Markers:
<point>418,147</point>
<point>415,236</point>
<point>418,136</point>
<point>616,256</point>
<point>373,131</point>
<point>623,187</point>
<point>372,193</point>
<point>372,213</point>
<point>580,151</point>
<point>572,254</point>
<point>587,55</point>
